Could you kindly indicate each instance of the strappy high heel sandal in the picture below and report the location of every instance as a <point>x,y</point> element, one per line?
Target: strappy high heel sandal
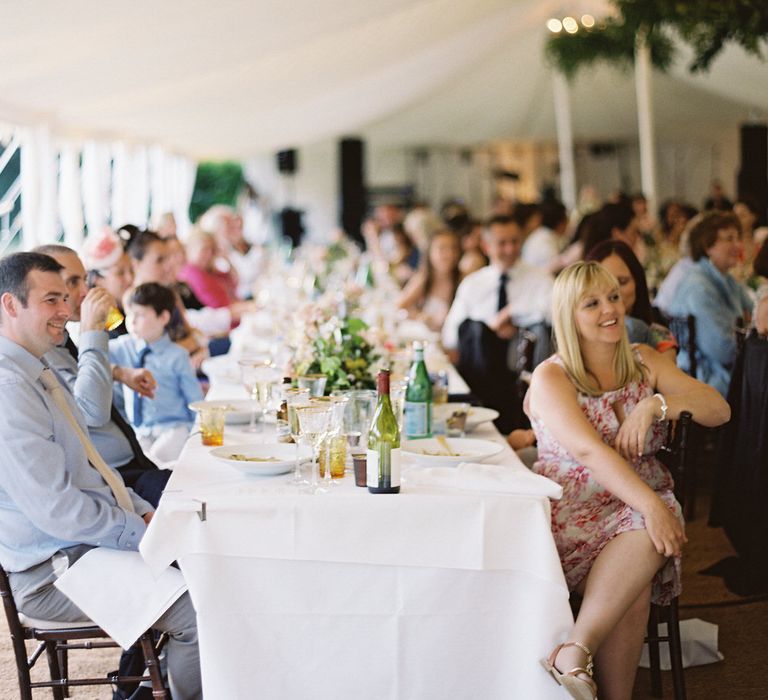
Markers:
<point>578,687</point>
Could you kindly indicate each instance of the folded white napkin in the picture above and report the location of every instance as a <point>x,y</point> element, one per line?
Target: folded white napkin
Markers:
<point>471,476</point>
<point>117,590</point>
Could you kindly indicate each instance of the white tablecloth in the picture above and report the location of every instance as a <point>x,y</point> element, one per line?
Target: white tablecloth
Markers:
<point>434,593</point>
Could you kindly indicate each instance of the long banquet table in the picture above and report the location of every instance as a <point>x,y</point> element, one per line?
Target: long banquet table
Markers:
<point>435,593</point>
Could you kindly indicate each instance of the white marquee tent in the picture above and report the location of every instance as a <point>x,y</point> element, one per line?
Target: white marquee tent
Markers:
<point>235,79</point>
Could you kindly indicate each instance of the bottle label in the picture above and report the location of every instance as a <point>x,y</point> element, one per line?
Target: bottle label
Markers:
<point>378,478</point>
<point>417,419</point>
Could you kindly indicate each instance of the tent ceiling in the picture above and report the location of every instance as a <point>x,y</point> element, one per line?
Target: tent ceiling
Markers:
<point>234,78</point>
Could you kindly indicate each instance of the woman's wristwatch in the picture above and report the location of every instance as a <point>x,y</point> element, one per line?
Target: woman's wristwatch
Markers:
<point>664,407</point>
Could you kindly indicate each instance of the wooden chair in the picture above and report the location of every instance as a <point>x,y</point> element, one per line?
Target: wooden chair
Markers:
<point>676,456</point>
<point>56,639</point>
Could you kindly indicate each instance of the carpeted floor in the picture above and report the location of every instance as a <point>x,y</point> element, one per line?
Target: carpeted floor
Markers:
<point>743,635</point>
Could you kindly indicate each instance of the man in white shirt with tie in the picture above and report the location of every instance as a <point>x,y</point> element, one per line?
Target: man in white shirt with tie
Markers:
<point>506,295</point>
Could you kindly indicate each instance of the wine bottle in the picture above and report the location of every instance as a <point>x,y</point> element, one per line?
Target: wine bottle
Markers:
<point>383,454</point>
<point>418,398</point>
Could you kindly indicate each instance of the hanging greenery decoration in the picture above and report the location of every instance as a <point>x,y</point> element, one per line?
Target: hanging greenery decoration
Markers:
<point>215,183</point>
<point>705,25</point>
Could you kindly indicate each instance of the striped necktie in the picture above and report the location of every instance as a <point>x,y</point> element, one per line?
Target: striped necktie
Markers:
<point>113,480</point>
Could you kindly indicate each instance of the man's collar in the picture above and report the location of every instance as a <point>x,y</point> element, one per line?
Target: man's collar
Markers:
<point>25,360</point>
<point>509,270</point>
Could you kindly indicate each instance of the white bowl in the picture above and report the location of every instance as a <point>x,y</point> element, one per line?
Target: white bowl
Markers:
<point>429,452</point>
<point>265,459</point>
<point>479,414</point>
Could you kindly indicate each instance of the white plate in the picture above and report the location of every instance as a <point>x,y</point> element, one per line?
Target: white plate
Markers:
<point>239,411</point>
<point>478,415</point>
<point>282,457</point>
<point>466,449</point>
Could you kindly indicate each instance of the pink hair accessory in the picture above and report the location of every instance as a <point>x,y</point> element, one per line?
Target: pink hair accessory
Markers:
<point>102,250</point>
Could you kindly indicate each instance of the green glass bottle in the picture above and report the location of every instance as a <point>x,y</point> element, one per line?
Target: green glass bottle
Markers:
<point>418,398</point>
<point>383,454</point>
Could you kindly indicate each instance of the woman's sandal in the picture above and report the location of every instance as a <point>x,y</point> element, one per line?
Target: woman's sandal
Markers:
<point>578,687</point>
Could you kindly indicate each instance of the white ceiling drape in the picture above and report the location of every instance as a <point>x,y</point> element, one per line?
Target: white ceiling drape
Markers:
<point>234,79</point>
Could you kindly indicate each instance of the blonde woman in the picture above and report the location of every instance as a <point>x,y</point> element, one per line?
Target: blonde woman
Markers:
<point>599,409</point>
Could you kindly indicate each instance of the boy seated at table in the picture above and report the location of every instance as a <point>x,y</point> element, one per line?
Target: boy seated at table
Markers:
<point>162,424</point>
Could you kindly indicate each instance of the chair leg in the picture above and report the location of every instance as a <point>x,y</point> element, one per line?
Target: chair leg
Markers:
<point>654,659</point>
<point>153,666</point>
<point>22,669</point>
<point>55,671</point>
<point>676,652</point>
<point>64,664</point>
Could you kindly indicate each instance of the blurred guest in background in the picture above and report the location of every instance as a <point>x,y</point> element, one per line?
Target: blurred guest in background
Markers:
<point>108,266</point>
<point>711,294</point>
<point>406,256</point>
<point>473,256</point>
<point>543,246</point>
<point>430,292</point>
<point>617,222</point>
<point>717,199</point>
<point>235,251</point>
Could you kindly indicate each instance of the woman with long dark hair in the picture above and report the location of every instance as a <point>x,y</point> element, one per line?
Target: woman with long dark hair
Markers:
<point>429,293</point>
<point>617,257</point>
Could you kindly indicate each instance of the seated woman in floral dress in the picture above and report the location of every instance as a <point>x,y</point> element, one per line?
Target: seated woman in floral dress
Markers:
<point>598,408</point>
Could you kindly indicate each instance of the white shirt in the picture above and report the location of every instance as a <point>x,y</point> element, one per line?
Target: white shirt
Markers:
<point>541,247</point>
<point>248,267</point>
<point>529,295</point>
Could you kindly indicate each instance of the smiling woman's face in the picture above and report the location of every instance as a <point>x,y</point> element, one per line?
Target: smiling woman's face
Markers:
<point>599,315</point>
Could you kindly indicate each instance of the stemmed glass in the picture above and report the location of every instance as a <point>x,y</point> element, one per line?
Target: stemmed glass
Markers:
<point>314,423</point>
<point>256,373</point>
<point>337,405</point>
<point>294,398</point>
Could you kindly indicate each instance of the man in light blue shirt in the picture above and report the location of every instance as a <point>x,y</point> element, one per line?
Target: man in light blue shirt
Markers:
<point>53,503</point>
<point>88,373</point>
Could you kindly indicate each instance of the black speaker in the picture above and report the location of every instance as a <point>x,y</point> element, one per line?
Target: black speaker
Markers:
<point>292,225</point>
<point>287,161</point>
<point>352,191</point>
<point>753,174</point>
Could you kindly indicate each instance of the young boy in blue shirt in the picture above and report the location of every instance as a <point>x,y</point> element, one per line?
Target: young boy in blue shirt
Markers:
<point>162,424</point>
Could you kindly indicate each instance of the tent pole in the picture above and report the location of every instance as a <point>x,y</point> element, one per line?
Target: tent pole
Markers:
<point>564,140</point>
<point>645,120</point>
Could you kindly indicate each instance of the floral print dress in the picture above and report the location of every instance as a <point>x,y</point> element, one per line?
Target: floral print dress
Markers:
<point>588,516</point>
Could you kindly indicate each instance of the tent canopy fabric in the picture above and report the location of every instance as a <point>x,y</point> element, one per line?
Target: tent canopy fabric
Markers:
<point>236,78</point>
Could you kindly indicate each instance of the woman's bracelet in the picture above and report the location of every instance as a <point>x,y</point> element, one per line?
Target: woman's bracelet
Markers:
<point>664,407</point>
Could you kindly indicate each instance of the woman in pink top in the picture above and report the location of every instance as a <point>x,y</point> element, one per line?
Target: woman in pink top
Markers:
<point>212,287</point>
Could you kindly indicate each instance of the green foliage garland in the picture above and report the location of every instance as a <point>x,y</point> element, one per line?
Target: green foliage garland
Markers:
<point>706,25</point>
<point>215,183</point>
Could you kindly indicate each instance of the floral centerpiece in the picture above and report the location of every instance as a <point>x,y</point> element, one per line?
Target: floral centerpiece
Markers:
<point>330,342</point>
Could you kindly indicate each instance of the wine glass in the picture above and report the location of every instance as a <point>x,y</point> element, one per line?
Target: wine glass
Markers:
<point>335,454</point>
<point>314,382</point>
<point>252,371</point>
<point>314,423</point>
<point>294,398</point>
<point>267,392</point>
